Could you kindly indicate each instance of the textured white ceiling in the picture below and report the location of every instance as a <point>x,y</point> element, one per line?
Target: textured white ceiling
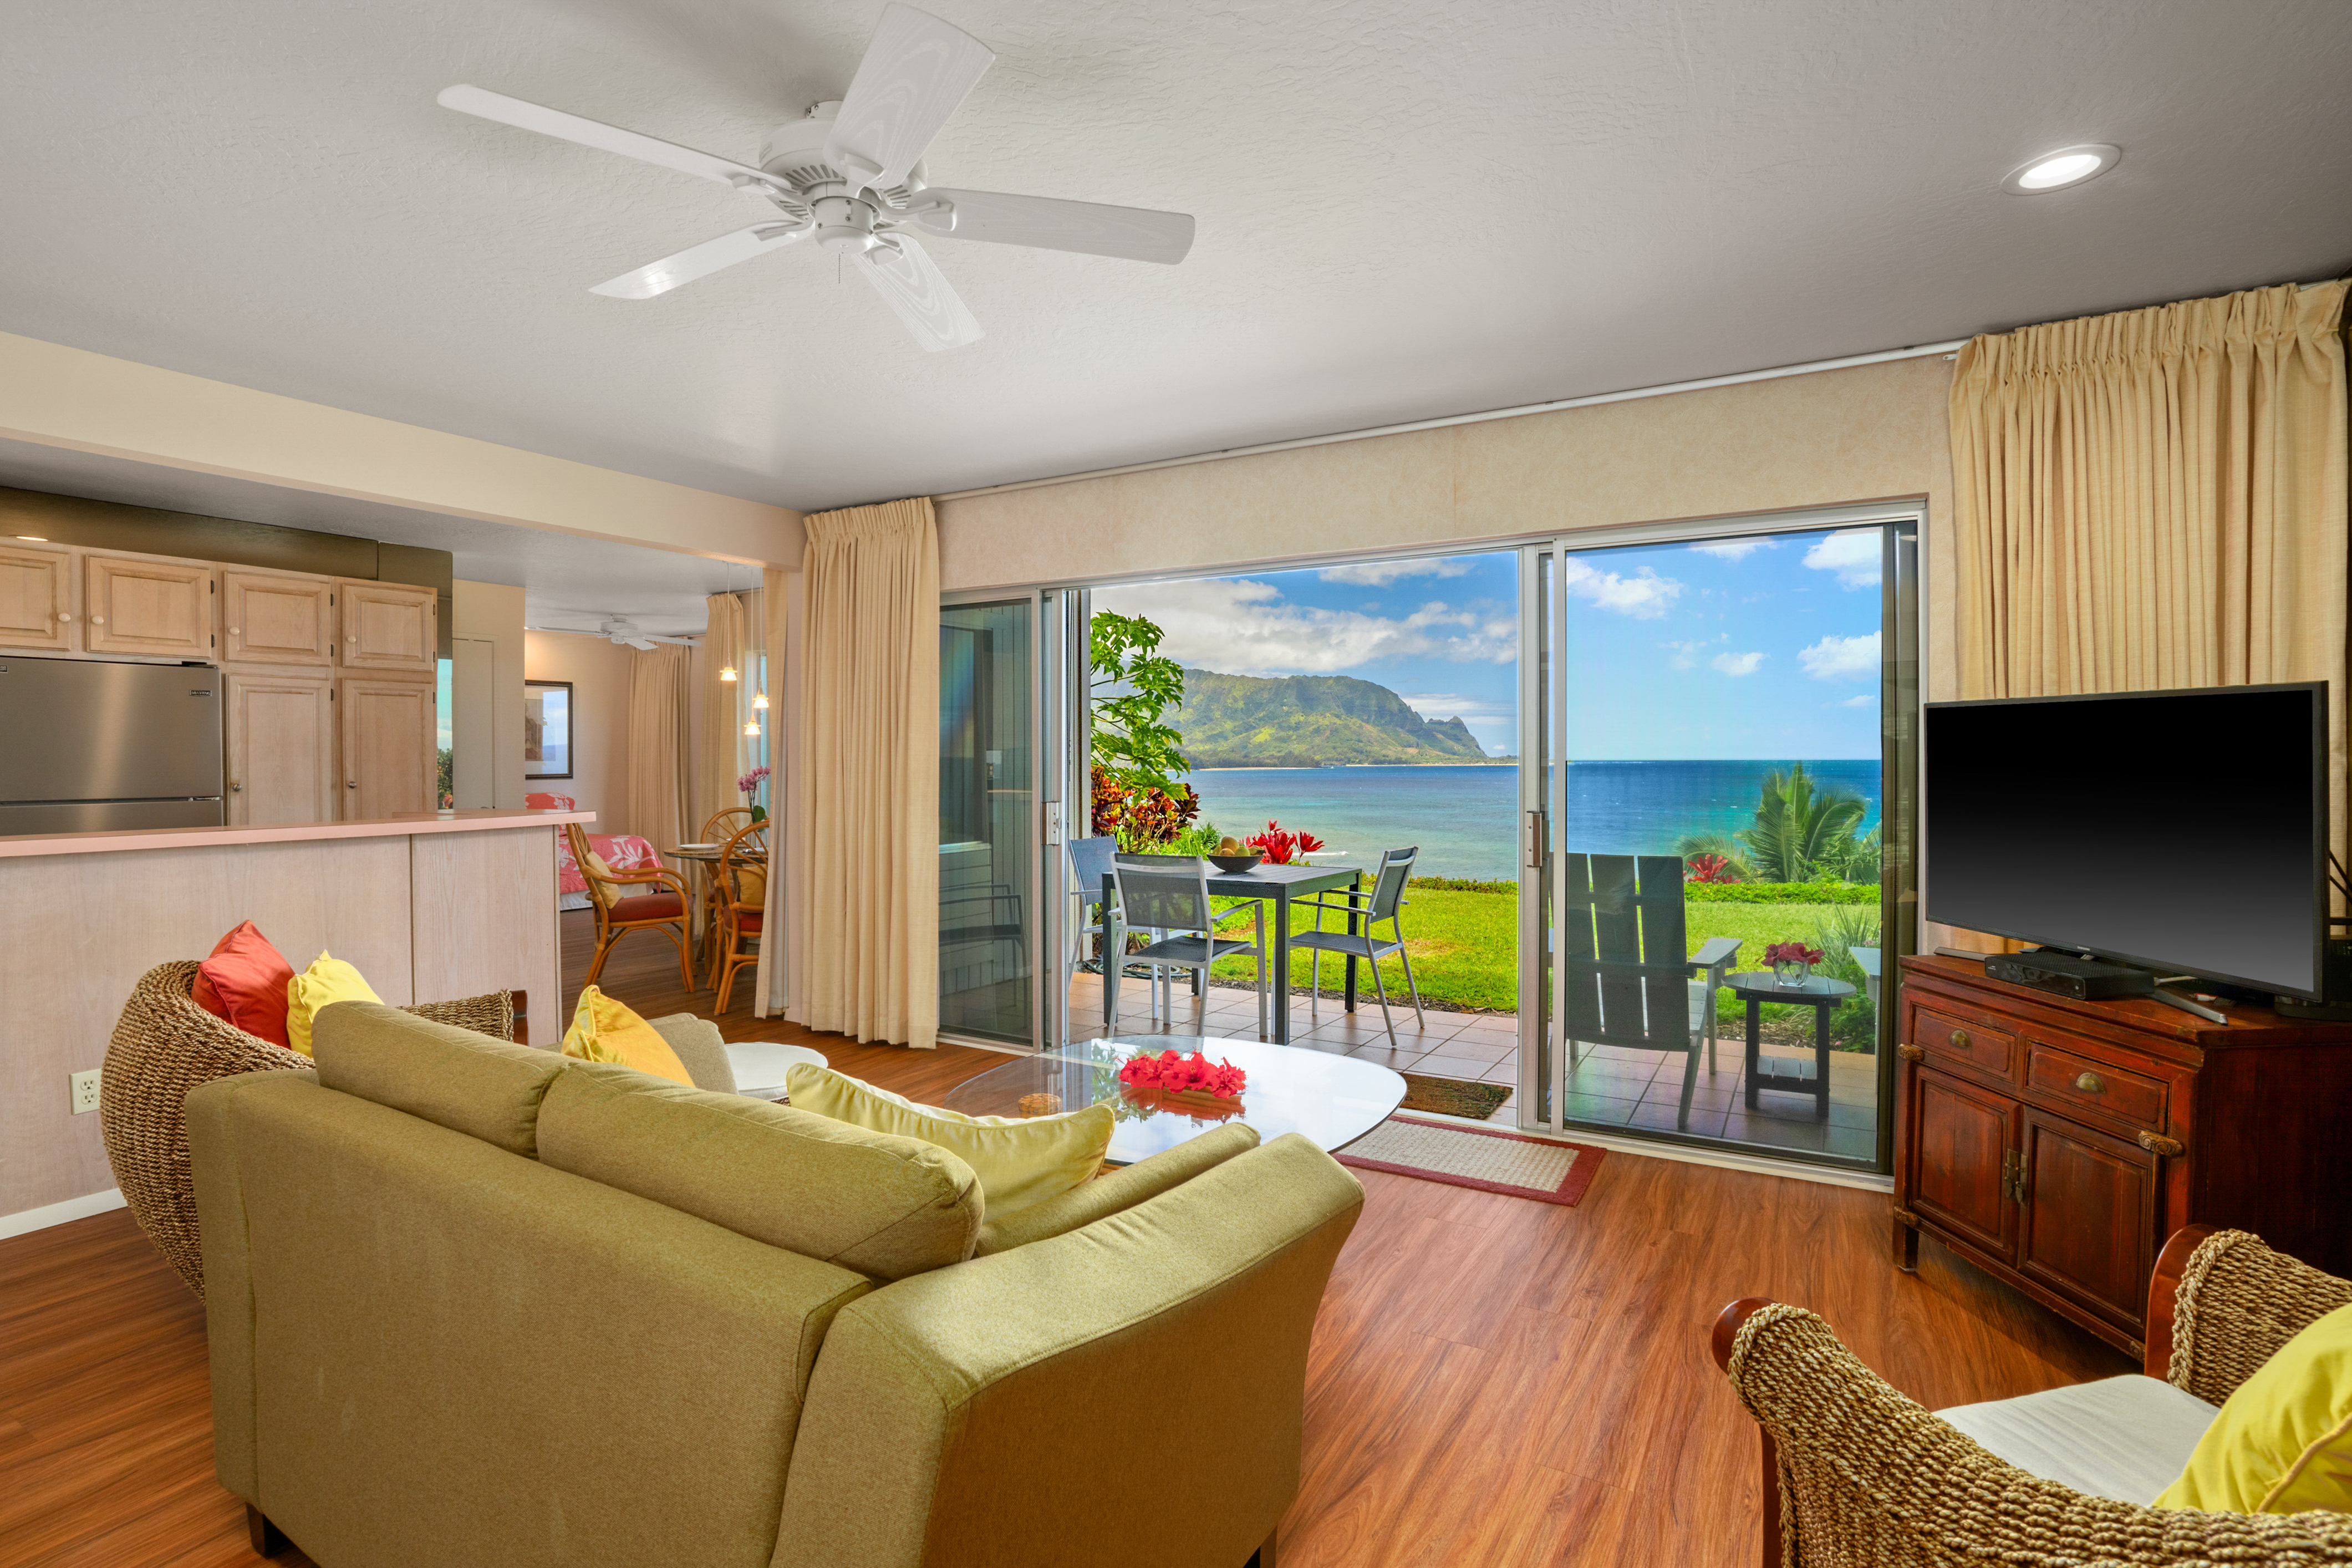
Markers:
<point>1407,208</point>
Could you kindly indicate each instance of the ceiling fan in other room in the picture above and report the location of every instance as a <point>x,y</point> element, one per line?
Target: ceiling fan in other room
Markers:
<point>624,633</point>
<point>851,176</point>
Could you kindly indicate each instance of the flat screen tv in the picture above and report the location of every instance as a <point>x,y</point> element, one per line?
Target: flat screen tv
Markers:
<point>2180,831</point>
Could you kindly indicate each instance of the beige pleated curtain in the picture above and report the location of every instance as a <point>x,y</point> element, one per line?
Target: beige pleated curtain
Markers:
<point>772,990</point>
<point>2155,498</point>
<point>863,775</point>
<point>659,777</point>
<point>724,704</point>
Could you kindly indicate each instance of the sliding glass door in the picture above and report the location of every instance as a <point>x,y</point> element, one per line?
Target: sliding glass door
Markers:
<point>1716,819</point>
<point>989,821</point>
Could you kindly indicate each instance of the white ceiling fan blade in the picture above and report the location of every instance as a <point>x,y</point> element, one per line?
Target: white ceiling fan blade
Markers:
<point>700,260</point>
<point>911,281</point>
<point>914,73</point>
<point>1044,223</point>
<point>498,105</point>
<point>643,645</point>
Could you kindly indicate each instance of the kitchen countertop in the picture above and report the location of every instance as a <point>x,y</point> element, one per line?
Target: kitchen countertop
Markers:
<point>418,822</point>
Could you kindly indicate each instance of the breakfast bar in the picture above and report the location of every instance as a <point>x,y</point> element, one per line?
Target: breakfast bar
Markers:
<point>426,907</point>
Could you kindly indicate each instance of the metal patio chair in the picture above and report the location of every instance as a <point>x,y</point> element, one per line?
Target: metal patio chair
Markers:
<point>1090,862</point>
<point>1630,976</point>
<point>1382,903</point>
<point>1170,893</point>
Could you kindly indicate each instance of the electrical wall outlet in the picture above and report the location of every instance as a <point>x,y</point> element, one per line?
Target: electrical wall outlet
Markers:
<point>85,1092</point>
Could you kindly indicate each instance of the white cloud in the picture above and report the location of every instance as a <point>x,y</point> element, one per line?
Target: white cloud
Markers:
<point>1736,663</point>
<point>1244,627</point>
<point>1436,705</point>
<point>1732,549</point>
<point>1380,573</point>
<point>1865,700</point>
<point>1854,557</point>
<point>1842,658</point>
<point>1685,655</point>
<point>1645,595</point>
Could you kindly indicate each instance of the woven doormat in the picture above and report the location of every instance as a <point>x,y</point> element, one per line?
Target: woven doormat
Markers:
<point>1488,1158</point>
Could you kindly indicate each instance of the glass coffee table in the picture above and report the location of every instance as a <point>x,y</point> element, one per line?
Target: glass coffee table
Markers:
<point>1333,1100</point>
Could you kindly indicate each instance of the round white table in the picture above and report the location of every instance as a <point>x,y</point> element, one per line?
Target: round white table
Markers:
<point>759,1065</point>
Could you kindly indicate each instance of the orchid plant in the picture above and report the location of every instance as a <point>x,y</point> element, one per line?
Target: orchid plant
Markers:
<point>747,786</point>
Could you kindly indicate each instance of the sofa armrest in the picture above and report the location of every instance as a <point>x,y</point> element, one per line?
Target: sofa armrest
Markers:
<point>1108,1194</point>
<point>2238,1302</point>
<point>700,1048</point>
<point>942,1404</point>
<point>494,1014</point>
<point>1857,1473</point>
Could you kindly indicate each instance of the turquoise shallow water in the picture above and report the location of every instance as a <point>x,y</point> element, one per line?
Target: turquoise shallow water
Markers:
<point>1464,818</point>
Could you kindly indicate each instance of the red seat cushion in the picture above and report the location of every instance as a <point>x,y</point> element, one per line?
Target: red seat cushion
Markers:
<point>749,922</point>
<point>243,983</point>
<point>649,907</point>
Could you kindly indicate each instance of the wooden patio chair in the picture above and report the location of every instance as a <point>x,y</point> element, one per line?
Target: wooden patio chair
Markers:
<point>724,824</point>
<point>742,886</point>
<point>619,912</point>
<point>1630,976</point>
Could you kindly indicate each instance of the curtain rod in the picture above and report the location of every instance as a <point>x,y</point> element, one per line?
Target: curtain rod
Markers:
<point>1848,362</point>
<point>1595,400</point>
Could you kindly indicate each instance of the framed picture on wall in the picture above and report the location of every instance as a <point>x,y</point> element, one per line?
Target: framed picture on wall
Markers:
<point>547,729</point>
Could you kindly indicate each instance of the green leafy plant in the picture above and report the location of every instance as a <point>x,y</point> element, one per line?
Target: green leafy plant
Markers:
<point>1837,932</point>
<point>1798,825</point>
<point>1779,893</point>
<point>1694,847</point>
<point>1133,687</point>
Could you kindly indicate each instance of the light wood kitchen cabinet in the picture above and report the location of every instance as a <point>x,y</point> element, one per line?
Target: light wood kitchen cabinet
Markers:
<point>279,731</point>
<point>133,604</point>
<point>274,617</point>
<point>390,761</point>
<point>37,599</point>
<point>387,626</point>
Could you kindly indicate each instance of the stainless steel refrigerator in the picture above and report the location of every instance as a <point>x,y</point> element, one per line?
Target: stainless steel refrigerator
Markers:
<point>88,746</point>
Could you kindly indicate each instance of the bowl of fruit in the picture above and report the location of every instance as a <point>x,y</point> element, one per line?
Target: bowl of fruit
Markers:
<point>1233,856</point>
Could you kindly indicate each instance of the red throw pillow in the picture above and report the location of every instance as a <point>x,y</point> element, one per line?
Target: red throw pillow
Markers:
<point>243,983</point>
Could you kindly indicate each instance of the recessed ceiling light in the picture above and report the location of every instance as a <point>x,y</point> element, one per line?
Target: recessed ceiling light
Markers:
<point>2066,166</point>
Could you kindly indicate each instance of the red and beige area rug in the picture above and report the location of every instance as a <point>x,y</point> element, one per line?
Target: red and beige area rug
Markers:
<point>1486,1158</point>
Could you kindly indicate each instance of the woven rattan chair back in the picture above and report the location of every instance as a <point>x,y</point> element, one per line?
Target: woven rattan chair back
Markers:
<point>164,1046</point>
<point>599,890</point>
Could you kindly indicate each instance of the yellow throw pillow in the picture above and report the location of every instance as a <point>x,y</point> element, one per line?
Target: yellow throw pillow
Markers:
<point>1019,1160</point>
<point>2283,1442</point>
<point>328,980</point>
<point>751,886</point>
<point>603,1030</point>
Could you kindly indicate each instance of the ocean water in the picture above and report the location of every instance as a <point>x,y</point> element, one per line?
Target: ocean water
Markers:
<point>1465,818</point>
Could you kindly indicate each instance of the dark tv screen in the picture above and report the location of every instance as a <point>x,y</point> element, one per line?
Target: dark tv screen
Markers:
<point>2184,831</point>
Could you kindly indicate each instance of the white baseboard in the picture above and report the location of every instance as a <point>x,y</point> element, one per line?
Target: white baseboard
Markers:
<point>60,1213</point>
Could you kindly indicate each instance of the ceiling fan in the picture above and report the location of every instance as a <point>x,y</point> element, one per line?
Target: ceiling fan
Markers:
<point>851,176</point>
<point>623,633</point>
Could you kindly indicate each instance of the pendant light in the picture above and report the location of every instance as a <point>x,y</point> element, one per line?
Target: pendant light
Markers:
<point>751,727</point>
<point>726,672</point>
<point>760,700</point>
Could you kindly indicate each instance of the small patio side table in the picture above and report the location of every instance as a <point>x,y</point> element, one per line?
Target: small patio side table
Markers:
<point>1820,993</point>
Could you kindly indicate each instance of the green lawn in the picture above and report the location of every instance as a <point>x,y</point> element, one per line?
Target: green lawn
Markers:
<point>1464,945</point>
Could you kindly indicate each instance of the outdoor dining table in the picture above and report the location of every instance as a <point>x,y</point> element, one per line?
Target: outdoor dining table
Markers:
<point>1279,885</point>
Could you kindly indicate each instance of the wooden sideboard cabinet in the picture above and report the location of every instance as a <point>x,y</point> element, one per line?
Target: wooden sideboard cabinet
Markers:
<point>2056,1143</point>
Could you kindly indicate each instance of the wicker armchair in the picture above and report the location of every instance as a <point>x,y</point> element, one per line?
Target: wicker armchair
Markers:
<point>1856,1475</point>
<point>164,1046</point>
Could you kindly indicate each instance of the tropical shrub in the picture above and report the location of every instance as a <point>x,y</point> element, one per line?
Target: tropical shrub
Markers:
<point>1779,893</point>
<point>1838,932</point>
<point>1132,685</point>
<point>1143,819</point>
<point>1730,855</point>
<point>1798,825</point>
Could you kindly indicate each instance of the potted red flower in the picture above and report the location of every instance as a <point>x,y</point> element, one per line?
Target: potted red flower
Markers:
<point>1792,961</point>
<point>1192,1086</point>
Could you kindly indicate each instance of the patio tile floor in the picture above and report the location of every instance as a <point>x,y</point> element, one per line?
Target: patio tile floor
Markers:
<point>1610,1086</point>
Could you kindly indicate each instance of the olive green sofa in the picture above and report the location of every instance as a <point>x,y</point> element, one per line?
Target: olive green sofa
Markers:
<point>470,1303</point>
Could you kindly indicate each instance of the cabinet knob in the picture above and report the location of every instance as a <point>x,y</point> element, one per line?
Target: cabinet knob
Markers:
<point>2091,1083</point>
<point>2164,1148</point>
<point>235,787</point>
<point>98,620</point>
<point>237,631</point>
<point>1911,1053</point>
<point>65,616</point>
<point>1959,1039</point>
<point>350,783</point>
<point>351,637</point>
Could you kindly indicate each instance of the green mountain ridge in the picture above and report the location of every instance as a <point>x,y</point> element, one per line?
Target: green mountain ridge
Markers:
<point>1310,720</point>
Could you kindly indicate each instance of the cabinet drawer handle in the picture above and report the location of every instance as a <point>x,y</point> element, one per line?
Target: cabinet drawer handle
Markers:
<point>2158,1144</point>
<point>1911,1053</point>
<point>1959,1039</point>
<point>350,783</point>
<point>2091,1083</point>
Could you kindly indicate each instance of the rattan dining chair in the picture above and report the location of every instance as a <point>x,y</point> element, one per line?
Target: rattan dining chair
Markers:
<point>1382,903</point>
<point>619,912</point>
<point>723,824</point>
<point>1170,893</point>
<point>741,880</point>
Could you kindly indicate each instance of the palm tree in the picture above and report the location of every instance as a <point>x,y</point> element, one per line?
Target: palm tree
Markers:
<point>1797,825</point>
<point>1693,845</point>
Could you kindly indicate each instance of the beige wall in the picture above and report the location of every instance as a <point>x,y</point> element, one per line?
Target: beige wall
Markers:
<point>598,673</point>
<point>1871,433</point>
<point>492,613</point>
<point>57,396</point>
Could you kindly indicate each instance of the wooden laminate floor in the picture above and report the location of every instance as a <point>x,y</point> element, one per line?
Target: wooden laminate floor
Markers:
<point>1493,1382</point>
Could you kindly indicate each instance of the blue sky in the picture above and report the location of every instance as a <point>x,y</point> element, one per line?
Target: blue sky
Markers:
<point>1755,648</point>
